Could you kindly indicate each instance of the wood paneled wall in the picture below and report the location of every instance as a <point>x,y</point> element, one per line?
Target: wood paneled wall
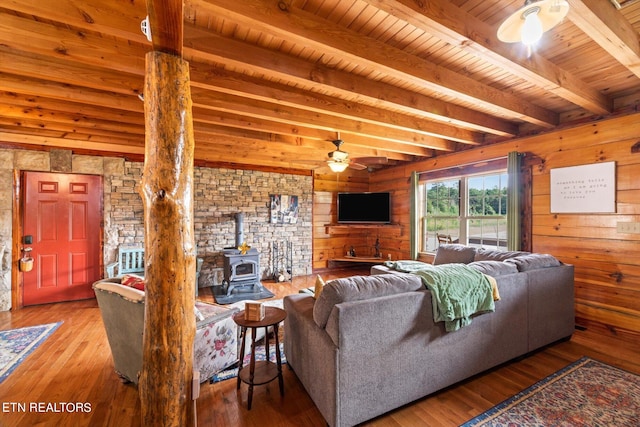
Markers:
<point>326,186</point>
<point>607,266</point>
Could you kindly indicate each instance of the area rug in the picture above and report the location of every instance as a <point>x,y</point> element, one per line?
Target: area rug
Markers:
<point>17,344</point>
<point>585,393</point>
<point>260,356</point>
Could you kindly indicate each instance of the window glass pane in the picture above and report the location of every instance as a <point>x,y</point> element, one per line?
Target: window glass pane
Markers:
<point>488,195</point>
<point>443,198</point>
<point>440,226</point>
<point>484,224</point>
<point>490,233</point>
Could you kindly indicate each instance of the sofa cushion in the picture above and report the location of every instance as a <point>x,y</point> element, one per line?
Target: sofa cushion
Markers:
<point>454,253</point>
<point>494,255</point>
<point>494,268</point>
<point>358,288</point>
<point>534,261</point>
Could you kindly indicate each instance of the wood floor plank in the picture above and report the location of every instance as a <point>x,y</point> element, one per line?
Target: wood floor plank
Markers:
<point>74,365</point>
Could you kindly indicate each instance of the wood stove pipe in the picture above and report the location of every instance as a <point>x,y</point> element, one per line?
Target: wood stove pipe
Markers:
<point>239,229</point>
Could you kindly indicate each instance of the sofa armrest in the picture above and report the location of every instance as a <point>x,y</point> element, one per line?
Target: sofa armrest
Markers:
<point>216,342</point>
<point>311,354</point>
<point>213,313</point>
<point>551,309</point>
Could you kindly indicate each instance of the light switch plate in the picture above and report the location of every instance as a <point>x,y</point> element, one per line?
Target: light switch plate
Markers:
<point>628,227</point>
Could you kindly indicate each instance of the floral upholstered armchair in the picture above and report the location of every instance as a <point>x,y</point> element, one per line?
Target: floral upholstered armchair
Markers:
<point>122,309</point>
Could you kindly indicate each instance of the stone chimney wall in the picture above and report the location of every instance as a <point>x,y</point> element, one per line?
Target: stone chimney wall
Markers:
<point>219,193</point>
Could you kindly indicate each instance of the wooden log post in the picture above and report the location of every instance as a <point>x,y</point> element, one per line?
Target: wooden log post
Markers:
<point>165,384</point>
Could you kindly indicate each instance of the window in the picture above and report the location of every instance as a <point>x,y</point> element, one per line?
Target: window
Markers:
<point>472,210</point>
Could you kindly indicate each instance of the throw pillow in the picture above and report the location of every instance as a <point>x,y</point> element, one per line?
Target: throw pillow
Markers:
<point>133,281</point>
<point>454,254</point>
<point>319,286</point>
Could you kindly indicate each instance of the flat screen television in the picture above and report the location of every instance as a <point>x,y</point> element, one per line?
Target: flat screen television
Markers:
<point>373,208</point>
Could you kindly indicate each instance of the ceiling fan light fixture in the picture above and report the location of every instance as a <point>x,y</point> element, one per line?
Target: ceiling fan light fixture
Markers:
<point>338,155</point>
<point>528,23</point>
<point>337,167</point>
<point>531,31</point>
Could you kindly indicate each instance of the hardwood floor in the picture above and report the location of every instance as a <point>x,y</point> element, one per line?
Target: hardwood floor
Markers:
<point>74,365</point>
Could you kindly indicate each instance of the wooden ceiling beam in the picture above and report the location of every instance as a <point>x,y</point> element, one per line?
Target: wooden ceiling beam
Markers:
<point>95,16</point>
<point>298,26</point>
<point>64,92</point>
<point>32,102</point>
<point>201,46</point>
<point>69,143</point>
<point>246,86</point>
<point>232,83</point>
<point>320,149</point>
<point>461,29</point>
<point>166,18</point>
<point>240,150</point>
<point>116,18</point>
<point>201,115</point>
<point>59,70</point>
<point>433,141</point>
<point>208,157</point>
<point>63,42</point>
<point>608,28</point>
<point>231,103</point>
<point>64,128</point>
<point>120,140</point>
<point>226,122</point>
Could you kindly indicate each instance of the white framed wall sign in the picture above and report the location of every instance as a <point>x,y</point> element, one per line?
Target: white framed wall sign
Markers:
<point>584,189</point>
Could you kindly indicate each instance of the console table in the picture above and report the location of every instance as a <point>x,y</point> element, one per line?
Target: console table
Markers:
<point>356,259</point>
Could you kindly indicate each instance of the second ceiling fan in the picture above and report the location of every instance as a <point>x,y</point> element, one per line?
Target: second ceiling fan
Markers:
<point>339,160</point>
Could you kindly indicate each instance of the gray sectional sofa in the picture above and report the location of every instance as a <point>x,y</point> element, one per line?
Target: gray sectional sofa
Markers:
<point>369,344</point>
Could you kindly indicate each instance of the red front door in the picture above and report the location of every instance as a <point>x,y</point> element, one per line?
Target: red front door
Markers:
<point>63,215</point>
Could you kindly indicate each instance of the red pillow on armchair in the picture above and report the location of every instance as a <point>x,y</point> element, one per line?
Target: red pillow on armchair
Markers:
<point>133,281</point>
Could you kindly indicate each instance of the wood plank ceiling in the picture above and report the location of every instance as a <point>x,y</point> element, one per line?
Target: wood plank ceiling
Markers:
<point>274,81</point>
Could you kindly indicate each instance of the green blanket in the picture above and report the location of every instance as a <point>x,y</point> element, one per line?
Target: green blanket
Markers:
<point>458,291</point>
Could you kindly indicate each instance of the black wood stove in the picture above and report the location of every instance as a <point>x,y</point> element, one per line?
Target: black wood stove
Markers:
<point>241,272</point>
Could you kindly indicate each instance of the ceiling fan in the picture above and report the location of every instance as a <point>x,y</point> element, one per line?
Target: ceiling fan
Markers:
<point>339,160</point>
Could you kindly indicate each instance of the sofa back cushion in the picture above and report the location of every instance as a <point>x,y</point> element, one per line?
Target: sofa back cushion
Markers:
<point>493,255</point>
<point>494,268</point>
<point>531,261</point>
<point>356,288</point>
<point>454,253</point>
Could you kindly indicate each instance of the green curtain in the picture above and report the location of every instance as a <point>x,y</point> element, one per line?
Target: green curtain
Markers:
<point>414,216</point>
<point>514,201</point>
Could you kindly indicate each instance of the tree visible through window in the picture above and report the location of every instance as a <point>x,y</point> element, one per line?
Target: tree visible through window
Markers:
<point>471,210</point>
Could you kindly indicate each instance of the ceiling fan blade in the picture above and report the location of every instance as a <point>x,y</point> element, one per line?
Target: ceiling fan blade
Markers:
<point>371,160</point>
<point>357,166</point>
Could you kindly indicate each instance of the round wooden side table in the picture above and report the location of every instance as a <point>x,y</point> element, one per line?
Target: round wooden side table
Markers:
<point>260,372</point>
